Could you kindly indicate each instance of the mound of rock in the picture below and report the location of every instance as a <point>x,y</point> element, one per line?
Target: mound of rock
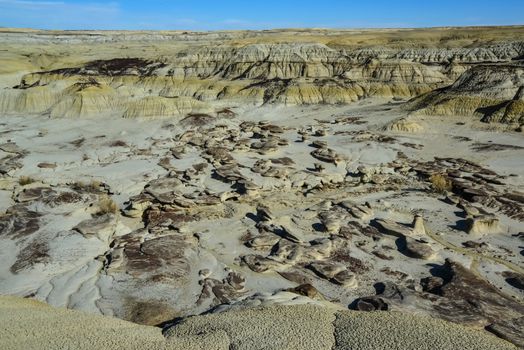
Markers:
<point>405,125</point>
<point>254,68</point>
<point>494,92</point>
<point>282,327</point>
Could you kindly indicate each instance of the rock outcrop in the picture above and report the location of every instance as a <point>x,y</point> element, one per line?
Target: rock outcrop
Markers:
<point>493,92</point>
<point>230,206</point>
<point>277,326</point>
<point>259,68</point>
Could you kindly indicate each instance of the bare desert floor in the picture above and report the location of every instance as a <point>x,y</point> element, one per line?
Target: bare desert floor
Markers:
<point>160,188</point>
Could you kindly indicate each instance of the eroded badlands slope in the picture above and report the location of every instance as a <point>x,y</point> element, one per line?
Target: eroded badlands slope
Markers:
<point>265,168</point>
<point>493,92</point>
<point>172,74</point>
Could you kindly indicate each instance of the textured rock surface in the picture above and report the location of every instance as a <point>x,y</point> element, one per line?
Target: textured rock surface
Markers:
<point>32,324</point>
<point>183,74</point>
<point>472,299</point>
<point>28,323</point>
<point>511,330</point>
<point>237,200</point>
<point>493,92</point>
<point>370,332</point>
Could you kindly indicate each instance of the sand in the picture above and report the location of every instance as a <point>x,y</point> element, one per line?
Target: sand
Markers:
<point>74,276</point>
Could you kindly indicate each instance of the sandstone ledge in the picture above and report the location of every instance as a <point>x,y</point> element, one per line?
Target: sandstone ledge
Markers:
<point>29,324</point>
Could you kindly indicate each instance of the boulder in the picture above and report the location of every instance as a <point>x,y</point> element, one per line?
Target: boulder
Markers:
<point>484,224</point>
<point>102,226</point>
<point>418,249</point>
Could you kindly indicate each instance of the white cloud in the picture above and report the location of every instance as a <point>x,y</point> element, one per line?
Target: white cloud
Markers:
<point>109,7</point>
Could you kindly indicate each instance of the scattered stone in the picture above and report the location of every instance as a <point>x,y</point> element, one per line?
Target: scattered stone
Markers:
<point>307,290</point>
<point>326,269</point>
<point>258,263</point>
<point>263,241</point>
<point>510,330</point>
<point>47,165</point>
<point>371,304</point>
<point>418,250</point>
<point>327,155</point>
<point>264,213</point>
<point>102,227</point>
<point>483,225</point>
<point>392,228</point>
<point>418,226</point>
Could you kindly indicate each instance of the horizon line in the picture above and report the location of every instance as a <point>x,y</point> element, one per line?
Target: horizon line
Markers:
<point>482,26</point>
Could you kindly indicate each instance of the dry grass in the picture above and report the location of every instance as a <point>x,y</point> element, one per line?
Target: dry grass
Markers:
<point>440,183</point>
<point>93,186</point>
<point>26,180</point>
<point>106,206</point>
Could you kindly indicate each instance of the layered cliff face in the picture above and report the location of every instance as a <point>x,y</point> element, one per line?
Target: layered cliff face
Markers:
<point>494,92</point>
<point>174,74</point>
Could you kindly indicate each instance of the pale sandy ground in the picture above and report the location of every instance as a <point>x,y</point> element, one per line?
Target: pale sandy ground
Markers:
<point>75,279</point>
<point>28,324</point>
<point>73,274</point>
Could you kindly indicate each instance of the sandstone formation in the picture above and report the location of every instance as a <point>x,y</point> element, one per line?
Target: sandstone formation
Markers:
<point>493,92</point>
<point>212,188</point>
<point>187,76</point>
<point>283,327</point>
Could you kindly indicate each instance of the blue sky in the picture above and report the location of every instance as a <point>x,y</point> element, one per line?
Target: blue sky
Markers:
<point>261,14</point>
